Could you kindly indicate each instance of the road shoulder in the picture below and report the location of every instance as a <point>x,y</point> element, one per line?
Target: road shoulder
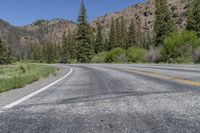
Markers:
<point>13,95</point>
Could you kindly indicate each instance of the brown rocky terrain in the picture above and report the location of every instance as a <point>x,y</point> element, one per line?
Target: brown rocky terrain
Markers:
<point>144,15</point>
<point>52,30</point>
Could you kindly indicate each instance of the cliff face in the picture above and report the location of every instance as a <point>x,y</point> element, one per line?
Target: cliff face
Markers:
<point>144,15</point>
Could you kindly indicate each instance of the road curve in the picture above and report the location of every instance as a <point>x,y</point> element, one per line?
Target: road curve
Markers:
<point>112,99</point>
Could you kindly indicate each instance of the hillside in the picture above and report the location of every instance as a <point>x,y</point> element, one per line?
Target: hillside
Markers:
<point>144,15</point>
<point>52,30</point>
<point>40,31</point>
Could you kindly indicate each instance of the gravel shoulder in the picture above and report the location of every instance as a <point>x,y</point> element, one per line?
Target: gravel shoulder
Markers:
<point>13,95</point>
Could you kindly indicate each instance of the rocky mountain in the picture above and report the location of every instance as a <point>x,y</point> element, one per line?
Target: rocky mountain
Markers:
<point>53,30</point>
<point>40,31</point>
<point>144,15</point>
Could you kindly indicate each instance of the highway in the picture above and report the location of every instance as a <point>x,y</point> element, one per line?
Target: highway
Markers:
<point>110,98</point>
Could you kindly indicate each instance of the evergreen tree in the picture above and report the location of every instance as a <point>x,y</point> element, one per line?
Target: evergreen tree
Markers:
<point>68,48</point>
<point>131,39</point>
<point>193,22</point>
<point>92,38</point>
<point>148,41</point>
<point>84,42</point>
<point>49,53</point>
<point>118,33</point>
<point>112,36</point>
<point>44,52</point>
<point>123,38</point>
<point>57,52</point>
<point>99,39</point>
<point>106,44</point>
<point>164,24</point>
<point>37,53</point>
<point>5,53</point>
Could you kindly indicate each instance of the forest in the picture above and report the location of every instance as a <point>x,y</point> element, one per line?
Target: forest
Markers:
<point>123,44</point>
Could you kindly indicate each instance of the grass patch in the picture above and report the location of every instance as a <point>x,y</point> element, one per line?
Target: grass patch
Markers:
<point>18,75</point>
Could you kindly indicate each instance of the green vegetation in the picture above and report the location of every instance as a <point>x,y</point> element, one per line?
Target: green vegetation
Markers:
<point>119,55</point>
<point>99,58</point>
<point>46,53</point>
<point>84,37</point>
<point>131,35</point>
<point>68,48</point>
<point>18,75</point>
<point>112,36</point>
<point>136,55</point>
<point>99,45</point>
<point>193,23</point>
<point>164,24</point>
<point>5,55</point>
<point>124,42</point>
<point>179,47</point>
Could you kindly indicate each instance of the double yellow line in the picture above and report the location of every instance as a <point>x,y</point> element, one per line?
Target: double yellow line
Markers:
<point>161,76</point>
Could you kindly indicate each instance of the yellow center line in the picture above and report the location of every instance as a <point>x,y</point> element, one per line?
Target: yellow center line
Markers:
<point>162,76</point>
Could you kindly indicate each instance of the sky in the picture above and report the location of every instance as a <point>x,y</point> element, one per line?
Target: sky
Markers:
<point>24,12</point>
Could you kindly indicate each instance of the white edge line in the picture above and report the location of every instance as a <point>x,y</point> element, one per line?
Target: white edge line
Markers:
<point>34,93</point>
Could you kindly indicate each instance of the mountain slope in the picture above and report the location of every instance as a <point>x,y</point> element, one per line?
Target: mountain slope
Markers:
<point>144,15</point>
<point>53,30</point>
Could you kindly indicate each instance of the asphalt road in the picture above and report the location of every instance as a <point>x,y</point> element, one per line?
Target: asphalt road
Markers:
<point>113,99</point>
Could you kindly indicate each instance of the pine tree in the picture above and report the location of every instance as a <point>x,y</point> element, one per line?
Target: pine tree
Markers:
<point>37,53</point>
<point>123,38</point>
<point>164,24</point>
<point>112,36</point>
<point>68,48</point>
<point>83,37</point>
<point>99,39</point>
<point>91,38</point>
<point>106,44</point>
<point>5,53</point>
<point>58,52</point>
<point>147,41</point>
<point>44,52</point>
<point>49,53</point>
<point>118,32</point>
<point>131,39</point>
<point>193,22</point>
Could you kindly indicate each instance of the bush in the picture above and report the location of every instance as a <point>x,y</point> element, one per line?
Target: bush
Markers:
<point>196,55</point>
<point>179,47</point>
<point>153,55</point>
<point>136,55</point>
<point>99,58</point>
<point>5,53</point>
<point>116,55</point>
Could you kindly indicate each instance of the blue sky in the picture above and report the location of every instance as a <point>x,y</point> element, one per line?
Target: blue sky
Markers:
<point>23,12</point>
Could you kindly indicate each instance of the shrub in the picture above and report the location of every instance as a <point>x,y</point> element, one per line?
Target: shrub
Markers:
<point>153,55</point>
<point>116,55</point>
<point>99,58</point>
<point>196,55</point>
<point>136,55</point>
<point>179,47</point>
